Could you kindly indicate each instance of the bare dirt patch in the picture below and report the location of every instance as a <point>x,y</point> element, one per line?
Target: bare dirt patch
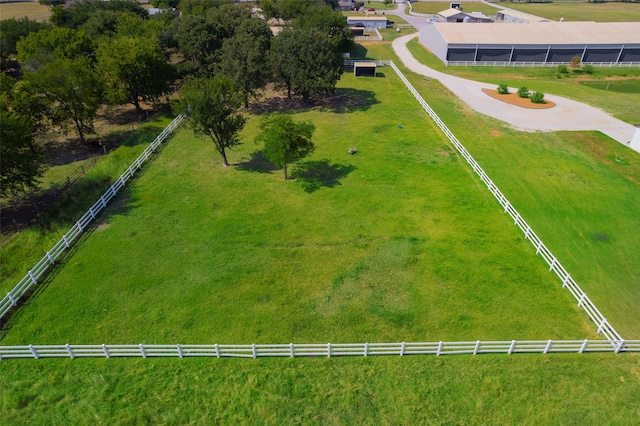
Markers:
<point>514,99</point>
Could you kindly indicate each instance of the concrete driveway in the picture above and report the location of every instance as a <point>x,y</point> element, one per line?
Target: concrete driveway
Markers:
<point>566,115</point>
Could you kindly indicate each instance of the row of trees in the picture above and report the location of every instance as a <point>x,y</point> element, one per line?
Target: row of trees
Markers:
<point>99,53</point>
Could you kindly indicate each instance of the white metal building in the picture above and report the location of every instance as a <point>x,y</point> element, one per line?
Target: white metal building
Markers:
<point>541,43</point>
<point>456,15</point>
<point>367,21</point>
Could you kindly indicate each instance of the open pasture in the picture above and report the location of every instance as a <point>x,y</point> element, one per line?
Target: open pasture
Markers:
<point>32,10</point>
<point>582,11</point>
<point>397,242</point>
<point>527,389</point>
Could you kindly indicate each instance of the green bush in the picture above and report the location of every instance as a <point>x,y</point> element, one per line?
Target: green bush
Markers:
<point>503,89</point>
<point>562,69</point>
<point>537,98</point>
<point>523,92</point>
<point>588,69</point>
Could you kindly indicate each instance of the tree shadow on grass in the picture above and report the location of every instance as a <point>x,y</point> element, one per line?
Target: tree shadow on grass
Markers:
<point>314,175</point>
<point>257,163</point>
<point>344,100</point>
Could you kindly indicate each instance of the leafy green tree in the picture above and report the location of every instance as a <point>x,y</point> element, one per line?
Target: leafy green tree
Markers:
<point>37,49</point>
<point>284,140</point>
<point>134,68</point>
<point>212,105</point>
<point>306,62</point>
<point>79,12</point>
<point>245,57</point>
<point>330,22</point>
<point>74,90</point>
<point>21,166</point>
<point>52,2</point>
<point>24,103</point>
<point>199,39</point>
<point>11,30</point>
<point>200,7</point>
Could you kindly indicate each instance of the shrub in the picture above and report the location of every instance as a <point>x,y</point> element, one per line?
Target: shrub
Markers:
<point>523,92</point>
<point>503,89</point>
<point>574,62</point>
<point>588,69</point>
<point>537,98</point>
<point>562,69</point>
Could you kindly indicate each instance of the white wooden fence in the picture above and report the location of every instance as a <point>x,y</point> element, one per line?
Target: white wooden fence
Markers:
<point>49,259</point>
<point>329,350</point>
<point>554,265</point>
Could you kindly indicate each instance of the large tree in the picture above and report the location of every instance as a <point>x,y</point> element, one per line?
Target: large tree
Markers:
<point>199,39</point>
<point>245,57</point>
<point>307,62</point>
<point>42,47</point>
<point>11,30</point>
<point>284,140</point>
<point>74,90</point>
<point>212,105</point>
<point>134,68</point>
<point>330,22</point>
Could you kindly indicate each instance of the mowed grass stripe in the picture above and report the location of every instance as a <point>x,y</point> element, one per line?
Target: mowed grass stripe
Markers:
<point>569,187</point>
<point>398,242</point>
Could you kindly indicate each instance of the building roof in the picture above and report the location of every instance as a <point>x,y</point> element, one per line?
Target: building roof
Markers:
<point>536,33</point>
<point>523,15</point>
<point>365,64</point>
<point>451,12</point>
<point>366,18</point>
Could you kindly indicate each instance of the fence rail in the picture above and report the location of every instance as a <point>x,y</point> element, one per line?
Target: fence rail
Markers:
<point>536,64</point>
<point>350,62</point>
<point>49,259</point>
<point>554,264</point>
<point>329,350</point>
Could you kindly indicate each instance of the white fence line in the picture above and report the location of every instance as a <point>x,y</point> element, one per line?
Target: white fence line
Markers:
<point>536,64</point>
<point>49,259</point>
<point>554,265</point>
<point>328,350</point>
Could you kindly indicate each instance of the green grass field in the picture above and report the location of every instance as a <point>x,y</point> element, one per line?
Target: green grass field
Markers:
<point>402,245</point>
<point>362,246</point>
<point>582,11</point>
<point>615,86</point>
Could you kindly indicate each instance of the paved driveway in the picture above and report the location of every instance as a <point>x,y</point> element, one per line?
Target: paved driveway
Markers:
<point>566,115</point>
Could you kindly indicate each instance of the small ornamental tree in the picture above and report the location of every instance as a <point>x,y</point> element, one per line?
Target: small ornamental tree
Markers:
<point>212,105</point>
<point>523,92</point>
<point>575,62</point>
<point>537,98</point>
<point>503,89</point>
<point>284,140</point>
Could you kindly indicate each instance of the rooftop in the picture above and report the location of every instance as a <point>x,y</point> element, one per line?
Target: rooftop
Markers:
<point>523,15</point>
<point>537,33</point>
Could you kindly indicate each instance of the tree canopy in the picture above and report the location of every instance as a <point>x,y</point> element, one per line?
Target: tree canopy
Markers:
<point>11,30</point>
<point>284,140</point>
<point>212,105</point>
<point>134,68</point>
<point>306,62</point>
<point>245,57</point>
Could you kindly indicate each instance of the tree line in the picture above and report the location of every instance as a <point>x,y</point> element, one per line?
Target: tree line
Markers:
<point>58,74</point>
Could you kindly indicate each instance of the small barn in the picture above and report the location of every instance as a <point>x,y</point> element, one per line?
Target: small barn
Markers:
<point>362,69</point>
<point>367,21</point>
<point>357,31</point>
<point>456,15</point>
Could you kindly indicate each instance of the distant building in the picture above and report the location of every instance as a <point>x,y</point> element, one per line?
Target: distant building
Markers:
<point>367,21</point>
<point>535,42</point>
<point>346,5</point>
<point>456,15</point>
<point>515,17</point>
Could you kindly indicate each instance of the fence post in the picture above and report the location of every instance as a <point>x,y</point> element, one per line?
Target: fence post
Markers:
<point>328,350</point>
<point>68,347</point>
<point>512,347</point>
<point>402,346</point>
<point>34,352</point>
<point>106,351</point>
<point>179,350</point>
<point>253,350</point>
<point>13,301</point>
<point>584,346</point>
<point>546,348</point>
<point>142,351</point>
<point>477,348</point>
<point>581,299</point>
<point>366,348</point>
<point>291,350</point>
<point>51,261</point>
<point>620,345</point>
<point>602,325</point>
<point>33,279</point>
<point>439,348</point>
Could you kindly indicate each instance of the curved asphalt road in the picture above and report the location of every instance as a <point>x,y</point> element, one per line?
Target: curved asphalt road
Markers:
<point>566,115</point>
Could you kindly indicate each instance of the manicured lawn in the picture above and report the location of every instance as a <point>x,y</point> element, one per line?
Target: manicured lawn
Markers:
<point>549,81</point>
<point>501,389</point>
<point>402,243</point>
<point>573,193</point>
<point>582,11</point>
